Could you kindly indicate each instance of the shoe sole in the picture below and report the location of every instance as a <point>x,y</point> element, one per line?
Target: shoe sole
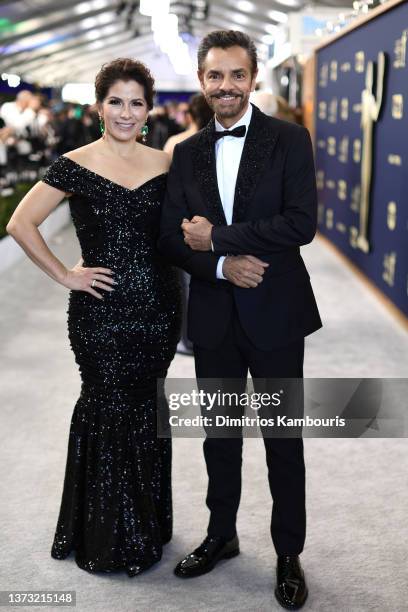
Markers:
<point>228,555</point>
<point>281,603</point>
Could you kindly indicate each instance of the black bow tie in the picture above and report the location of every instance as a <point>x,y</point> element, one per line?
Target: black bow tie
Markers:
<point>238,132</point>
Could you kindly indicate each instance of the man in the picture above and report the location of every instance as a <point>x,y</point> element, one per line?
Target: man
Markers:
<point>19,114</point>
<point>241,200</point>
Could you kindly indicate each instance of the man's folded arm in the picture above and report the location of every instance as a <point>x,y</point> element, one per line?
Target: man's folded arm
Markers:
<point>171,243</point>
<point>294,226</point>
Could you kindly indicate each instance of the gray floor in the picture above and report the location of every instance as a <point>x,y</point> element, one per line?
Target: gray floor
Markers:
<point>356,550</point>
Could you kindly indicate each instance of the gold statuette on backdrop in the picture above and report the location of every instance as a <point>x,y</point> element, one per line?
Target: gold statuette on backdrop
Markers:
<point>357,108</point>
<point>400,51</point>
<point>394,160</point>
<point>357,150</point>
<point>389,264</point>
<point>329,218</point>
<point>330,184</point>
<point>355,199</point>
<point>397,110</point>
<point>333,111</point>
<point>371,108</point>
<point>344,109</point>
<point>345,67</point>
<point>333,70</point>
<point>342,190</point>
<point>392,215</point>
<point>353,233</point>
<point>331,145</point>
<point>344,149</point>
<point>322,111</point>
<point>320,179</point>
<point>359,61</point>
<point>321,144</point>
<point>324,75</point>
<point>340,227</point>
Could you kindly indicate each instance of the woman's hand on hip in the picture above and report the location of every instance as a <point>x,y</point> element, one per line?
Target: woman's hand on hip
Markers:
<point>80,278</point>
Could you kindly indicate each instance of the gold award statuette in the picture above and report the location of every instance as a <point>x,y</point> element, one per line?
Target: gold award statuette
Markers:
<point>400,50</point>
<point>322,113</point>
<point>320,179</point>
<point>343,149</point>
<point>359,61</point>
<point>355,200</point>
<point>333,110</point>
<point>333,70</point>
<point>370,110</point>
<point>344,109</point>
<point>389,264</point>
<point>397,110</point>
<point>392,215</point>
<point>394,160</point>
<point>342,189</point>
<point>331,145</point>
<point>324,75</point>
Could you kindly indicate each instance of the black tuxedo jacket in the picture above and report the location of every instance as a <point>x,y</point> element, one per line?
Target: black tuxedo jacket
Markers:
<point>274,214</point>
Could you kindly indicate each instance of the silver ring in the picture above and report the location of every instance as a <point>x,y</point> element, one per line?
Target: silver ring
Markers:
<point>93,283</point>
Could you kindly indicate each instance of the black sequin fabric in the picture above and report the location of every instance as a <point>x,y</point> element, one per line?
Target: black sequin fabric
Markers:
<point>116,509</point>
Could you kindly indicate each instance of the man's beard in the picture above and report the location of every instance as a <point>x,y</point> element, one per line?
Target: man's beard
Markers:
<point>228,111</point>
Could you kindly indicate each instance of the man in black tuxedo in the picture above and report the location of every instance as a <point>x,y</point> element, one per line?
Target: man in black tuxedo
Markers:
<point>241,200</point>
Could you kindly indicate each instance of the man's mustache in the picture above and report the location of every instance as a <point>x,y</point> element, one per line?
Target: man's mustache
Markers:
<point>221,93</point>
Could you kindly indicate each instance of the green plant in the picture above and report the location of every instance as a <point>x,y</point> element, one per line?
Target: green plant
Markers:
<point>9,203</point>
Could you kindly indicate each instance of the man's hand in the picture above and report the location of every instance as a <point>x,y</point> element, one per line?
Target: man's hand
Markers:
<point>244,270</point>
<point>197,233</point>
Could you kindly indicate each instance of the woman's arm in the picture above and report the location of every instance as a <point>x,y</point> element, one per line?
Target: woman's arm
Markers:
<point>33,209</point>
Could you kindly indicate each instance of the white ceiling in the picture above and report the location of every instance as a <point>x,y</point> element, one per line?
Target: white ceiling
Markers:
<point>55,41</point>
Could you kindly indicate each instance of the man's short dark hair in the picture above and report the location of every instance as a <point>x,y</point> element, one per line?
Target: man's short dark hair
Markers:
<point>224,39</point>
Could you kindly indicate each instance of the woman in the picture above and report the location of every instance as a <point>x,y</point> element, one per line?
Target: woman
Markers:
<point>200,114</point>
<point>123,323</point>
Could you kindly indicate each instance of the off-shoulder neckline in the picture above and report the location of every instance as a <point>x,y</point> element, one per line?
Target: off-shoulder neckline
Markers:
<point>156,176</point>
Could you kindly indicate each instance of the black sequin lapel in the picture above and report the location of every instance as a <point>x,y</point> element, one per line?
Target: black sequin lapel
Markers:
<point>206,174</point>
<point>259,144</point>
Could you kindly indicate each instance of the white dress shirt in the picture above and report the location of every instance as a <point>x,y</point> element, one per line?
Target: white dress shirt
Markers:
<point>15,118</point>
<point>228,151</point>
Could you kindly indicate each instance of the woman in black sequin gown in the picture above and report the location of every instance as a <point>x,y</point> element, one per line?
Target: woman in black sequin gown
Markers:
<point>116,510</point>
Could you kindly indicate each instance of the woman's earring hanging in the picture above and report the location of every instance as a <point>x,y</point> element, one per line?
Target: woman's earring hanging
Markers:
<point>101,125</point>
<point>144,132</point>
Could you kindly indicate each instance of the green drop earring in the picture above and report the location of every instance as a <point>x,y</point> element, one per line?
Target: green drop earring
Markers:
<point>101,125</point>
<point>144,132</point>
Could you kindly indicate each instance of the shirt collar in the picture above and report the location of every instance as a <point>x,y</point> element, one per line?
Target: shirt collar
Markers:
<point>245,120</point>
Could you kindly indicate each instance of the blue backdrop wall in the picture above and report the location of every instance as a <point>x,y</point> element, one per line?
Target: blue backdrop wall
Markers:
<point>341,78</point>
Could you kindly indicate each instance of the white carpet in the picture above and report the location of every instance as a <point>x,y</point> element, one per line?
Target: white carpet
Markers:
<point>356,550</point>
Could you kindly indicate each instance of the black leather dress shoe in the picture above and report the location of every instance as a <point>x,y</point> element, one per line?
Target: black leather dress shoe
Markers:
<point>291,590</point>
<point>204,558</point>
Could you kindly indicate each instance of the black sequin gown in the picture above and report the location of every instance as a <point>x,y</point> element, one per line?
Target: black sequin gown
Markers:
<point>116,509</point>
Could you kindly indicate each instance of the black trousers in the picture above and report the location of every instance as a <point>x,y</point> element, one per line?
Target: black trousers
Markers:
<point>284,456</point>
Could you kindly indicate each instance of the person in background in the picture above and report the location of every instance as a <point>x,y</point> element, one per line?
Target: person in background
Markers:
<point>199,114</point>
<point>5,133</point>
<point>18,115</point>
<point>182,115</point>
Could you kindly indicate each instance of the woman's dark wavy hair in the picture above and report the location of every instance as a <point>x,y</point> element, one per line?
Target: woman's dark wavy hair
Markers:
<point>124,69</point>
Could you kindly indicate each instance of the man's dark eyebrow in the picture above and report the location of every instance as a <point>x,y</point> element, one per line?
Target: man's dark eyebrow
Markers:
<point>213,71</point>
